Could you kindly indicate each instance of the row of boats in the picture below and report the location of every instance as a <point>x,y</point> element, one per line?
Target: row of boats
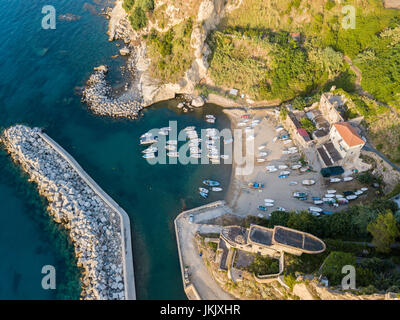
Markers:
<point>214,186</point>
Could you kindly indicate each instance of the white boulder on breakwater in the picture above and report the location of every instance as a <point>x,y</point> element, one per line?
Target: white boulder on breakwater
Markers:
<point>95,228</point>
<point>97,95</point>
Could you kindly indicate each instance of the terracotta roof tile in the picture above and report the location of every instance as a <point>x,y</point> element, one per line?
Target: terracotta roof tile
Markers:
<point>349,134</point>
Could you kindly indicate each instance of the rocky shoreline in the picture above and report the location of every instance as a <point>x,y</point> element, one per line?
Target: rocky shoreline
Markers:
<point>97,95</point>
<point>94,227</point>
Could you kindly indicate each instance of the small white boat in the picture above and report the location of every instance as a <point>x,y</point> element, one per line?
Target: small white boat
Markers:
<point>216,189</point>
<point>270,167</point>
<point>364,189</point>
<point>269,200</point>
<point>268,204</point>
<point>163,132</point>
<point>358,193</point>
<point>335,180</point>
<point>261,160</point>
<point>308,182</point>
<point>329,195</point>
<point>195,155</point>
<point>275,139</point>
<point>262,147</point>
<point>318,202</point>
<point>347,179</point>
<point>287,141</point>
<point>280,209</point>
<point>282,167</point>
<point>331,191</point>
<point>285,173</point>
<point>149,156</point>
<point>271,170</point>
<point>173,154</point>
<point>339,196</point>
<point>203,190</point>
<point>263,154</point>
<point>170,147</point>
<point>210,116</point>
<point>315,209</point>
<point>146,135</point>
<point>150,150</point>
<point>190,128</point>
<point>296,166</point>
<point>210,120</point>
<point>303,169</point>
<point>351,197</point>
<point>328,199</point>
<point>173,142</point>
<point>293,183</point>
<point>242,124</point>
<point>279,129</point>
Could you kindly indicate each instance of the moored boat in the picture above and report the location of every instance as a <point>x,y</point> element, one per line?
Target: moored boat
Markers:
<point>211,183</point>
<point>216,189</point>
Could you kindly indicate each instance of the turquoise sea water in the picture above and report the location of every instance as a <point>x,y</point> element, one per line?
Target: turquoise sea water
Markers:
<point>39,71</point>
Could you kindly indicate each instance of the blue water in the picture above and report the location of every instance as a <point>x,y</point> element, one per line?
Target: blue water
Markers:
<point>39,72</point>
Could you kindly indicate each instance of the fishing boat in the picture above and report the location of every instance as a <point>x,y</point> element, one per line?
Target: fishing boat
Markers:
<point>203,190</point>
<point>352,197</point>
<point>262,208</point>
<point>328,200</point>
<point>347,179</point>
<point>204,195</point>
<point>173,142</point>
<point>210,116</point>
<point>262,147</point>
<point>339,196</point>
<point>195,155</point>
<point>315,209</point>
<point>280,209</point>
<point>173,154</point>
<point>329,195</point>
<point>146,135</point>
<point>287,141</point>
<point>316,198</point>
<point>268,204</point>
<point>211,183</point>
<point>269,200</point>
<point>331,191</point>
<point>150,150</point>
<point>335,180</point>
<point>210,120</point>
<point>308,182</point>
<point>190,128</point>
<point>149,156</point>
<point>304,169</point>
<point>364,189</point>
<point>263,154</point>
<point>170,147</point>
<point>216,189</point>
<point>296,166</point>
<point>163,132</point>
<point>343,201</point>
<point>285,173</point>
<point>358,193</point>
<point>148,140</point>
<point>303,199</point>
<point>283,176</point>
<point>318,202</point>
<point>272,170</point>
<point>293,183</point>
<point>283,167</point>
<point>299,194</point>
<point>261,160</point>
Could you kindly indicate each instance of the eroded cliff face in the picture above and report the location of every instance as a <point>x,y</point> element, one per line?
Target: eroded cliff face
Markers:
<point>206,15</point>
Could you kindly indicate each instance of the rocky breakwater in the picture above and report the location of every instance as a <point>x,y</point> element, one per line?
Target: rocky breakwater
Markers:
<point>97,95</point>
<point>94,227</point>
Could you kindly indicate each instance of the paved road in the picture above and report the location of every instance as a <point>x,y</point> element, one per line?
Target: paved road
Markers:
<point>370,148</point>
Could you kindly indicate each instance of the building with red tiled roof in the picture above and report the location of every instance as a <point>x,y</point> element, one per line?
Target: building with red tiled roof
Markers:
<point>346,141</point>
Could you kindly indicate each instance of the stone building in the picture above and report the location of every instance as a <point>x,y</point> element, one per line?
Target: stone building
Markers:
<point>346,141</point>
<point>332,107</point>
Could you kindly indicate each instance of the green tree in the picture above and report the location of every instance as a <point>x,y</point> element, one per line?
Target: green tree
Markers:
<point>128,5</point>
<point>146,5</point>
<point>334,263</point>
<point>384,231</point>
<point>138,19</point>
<point>308,125</point>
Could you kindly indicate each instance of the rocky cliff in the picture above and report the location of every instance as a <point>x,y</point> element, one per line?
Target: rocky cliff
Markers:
<point>206,16</point>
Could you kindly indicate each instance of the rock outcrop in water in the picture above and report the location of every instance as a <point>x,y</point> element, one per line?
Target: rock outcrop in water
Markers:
<point>97,95</point>
<point>94,227</point>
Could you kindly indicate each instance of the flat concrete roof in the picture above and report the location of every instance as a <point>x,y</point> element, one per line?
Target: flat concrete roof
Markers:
<point>297,239</point>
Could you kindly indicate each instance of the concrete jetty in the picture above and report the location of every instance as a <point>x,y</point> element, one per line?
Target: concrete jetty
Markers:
<point>98,227</point>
